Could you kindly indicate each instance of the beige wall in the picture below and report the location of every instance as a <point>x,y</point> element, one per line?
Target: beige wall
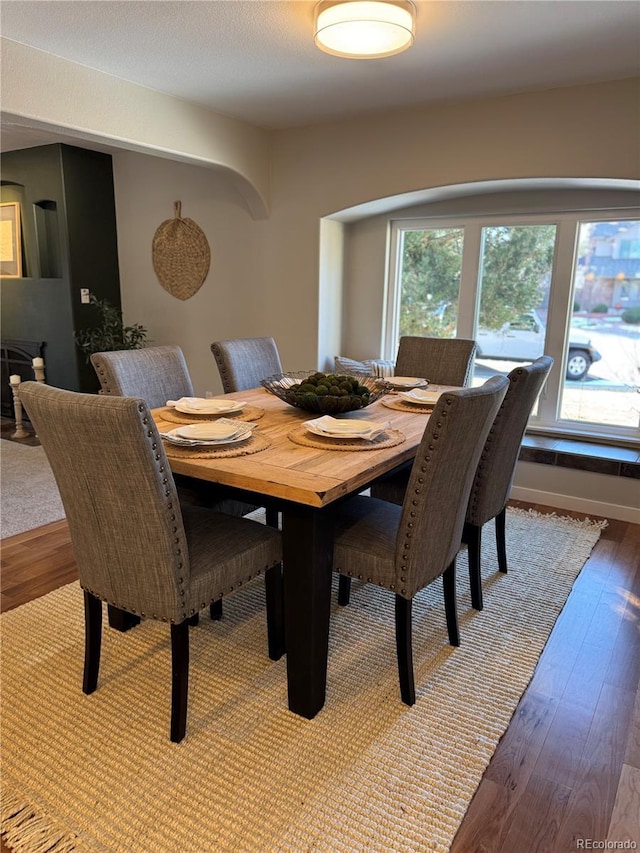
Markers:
<point>584,131</point>
<point>265,275</point>
<point>231,302</point>
<point>93,106</point>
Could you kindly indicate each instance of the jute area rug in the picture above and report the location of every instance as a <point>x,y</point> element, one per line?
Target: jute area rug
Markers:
<point>367,775</point>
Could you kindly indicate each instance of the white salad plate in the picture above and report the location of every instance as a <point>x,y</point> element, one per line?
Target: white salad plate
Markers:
<point>208,406</point>
<point>407,381</point>
<point>422,398</point>
<point>212,431</point>
<point>329,427</point>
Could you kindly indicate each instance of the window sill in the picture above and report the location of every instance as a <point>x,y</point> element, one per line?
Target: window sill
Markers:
<point>581,455</point>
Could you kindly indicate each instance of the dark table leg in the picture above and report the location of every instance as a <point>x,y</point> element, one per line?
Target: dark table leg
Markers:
<point>307,560</point>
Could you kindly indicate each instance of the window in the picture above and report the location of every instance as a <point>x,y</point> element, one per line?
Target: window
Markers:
<point>430,282</point>
<point>566,285</point>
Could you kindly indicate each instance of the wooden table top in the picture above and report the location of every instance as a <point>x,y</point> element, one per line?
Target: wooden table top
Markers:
<point>305,475</point>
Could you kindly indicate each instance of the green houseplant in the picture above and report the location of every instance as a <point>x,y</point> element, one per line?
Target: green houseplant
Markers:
<point>111,334</point>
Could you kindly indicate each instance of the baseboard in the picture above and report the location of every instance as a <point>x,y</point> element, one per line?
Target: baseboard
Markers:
<point>571,502</point>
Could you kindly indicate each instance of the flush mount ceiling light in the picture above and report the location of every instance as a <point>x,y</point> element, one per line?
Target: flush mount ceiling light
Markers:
<point>364,29</point>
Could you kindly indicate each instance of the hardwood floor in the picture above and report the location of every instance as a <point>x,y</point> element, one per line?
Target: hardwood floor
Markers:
<point>567,770</point>
<point>566,774</point>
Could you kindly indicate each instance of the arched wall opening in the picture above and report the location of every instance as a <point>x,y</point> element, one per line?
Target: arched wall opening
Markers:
<point>354,246</point>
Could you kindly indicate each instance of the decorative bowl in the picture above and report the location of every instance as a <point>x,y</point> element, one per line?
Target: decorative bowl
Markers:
<point>355,391</point>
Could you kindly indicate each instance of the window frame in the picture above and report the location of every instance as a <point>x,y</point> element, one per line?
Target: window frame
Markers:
<point>547,418</point>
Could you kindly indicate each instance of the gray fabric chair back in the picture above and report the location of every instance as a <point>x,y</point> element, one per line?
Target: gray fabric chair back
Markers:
<point>243,362</point>
<point>119,497</point>
<point>435,503</point>
<point>494,477</point>
<point>443,361</point>
<point>156,374</point>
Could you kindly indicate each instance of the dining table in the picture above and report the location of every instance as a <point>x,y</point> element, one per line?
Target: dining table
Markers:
<point>305,481</point>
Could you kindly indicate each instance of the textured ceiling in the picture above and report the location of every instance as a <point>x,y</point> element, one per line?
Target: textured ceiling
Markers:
<point>256,61</point>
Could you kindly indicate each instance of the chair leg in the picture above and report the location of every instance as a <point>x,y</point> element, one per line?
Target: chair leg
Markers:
<point>92,641</point>
<point>404,650</point>
<point>121,620</point>
<point>344,590</point>
<point>449,587</point>
<point>501,543</point>
<point>215,610</point>
<point>274,590</point>
<point>179,679</point>
<point>194,620</point>
<point>473,538</point>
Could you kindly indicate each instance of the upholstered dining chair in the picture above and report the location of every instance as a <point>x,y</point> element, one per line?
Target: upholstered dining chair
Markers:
<point>405,548</point>
<point>243,362</point>
<point>135,546</point>
<point>156,374</point>
<point>496,469</point>
<point>443,361</point>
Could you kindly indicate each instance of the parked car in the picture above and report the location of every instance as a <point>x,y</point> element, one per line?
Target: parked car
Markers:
<point>523,340</point>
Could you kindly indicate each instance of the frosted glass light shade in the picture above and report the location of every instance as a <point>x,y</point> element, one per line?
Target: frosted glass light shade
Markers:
<point>364,29</point>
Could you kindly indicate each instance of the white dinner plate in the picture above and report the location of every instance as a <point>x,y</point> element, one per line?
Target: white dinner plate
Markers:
<point>329,427</point>
<point>421,398</point>
<point>407,381</point>
<point>206,406</point>
<point>173,438</point>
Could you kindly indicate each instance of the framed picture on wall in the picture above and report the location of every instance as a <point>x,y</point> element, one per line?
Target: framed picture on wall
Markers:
<point>10,241</point>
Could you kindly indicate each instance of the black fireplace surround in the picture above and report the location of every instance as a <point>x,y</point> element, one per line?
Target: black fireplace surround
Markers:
<point>17,358</point>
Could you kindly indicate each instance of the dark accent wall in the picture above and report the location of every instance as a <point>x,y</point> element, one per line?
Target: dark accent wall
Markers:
<point>69,242</point>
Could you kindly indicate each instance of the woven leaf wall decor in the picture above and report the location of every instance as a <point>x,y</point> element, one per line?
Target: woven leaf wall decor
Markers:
<point>181,255</point>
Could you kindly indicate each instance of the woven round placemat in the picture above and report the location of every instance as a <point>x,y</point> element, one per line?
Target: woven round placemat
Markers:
<point>389,438</point>
<point>245,448</point>
<point>248,413</point>
<point>402,406</point>
<point>181,255</point>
